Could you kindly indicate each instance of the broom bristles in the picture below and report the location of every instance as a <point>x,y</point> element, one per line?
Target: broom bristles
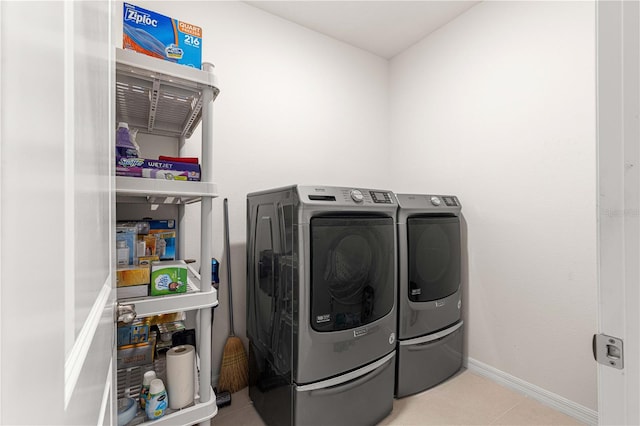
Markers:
<point>234,371</point>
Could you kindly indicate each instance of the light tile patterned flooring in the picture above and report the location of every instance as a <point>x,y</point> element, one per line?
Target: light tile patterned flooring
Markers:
<point>465,399</point>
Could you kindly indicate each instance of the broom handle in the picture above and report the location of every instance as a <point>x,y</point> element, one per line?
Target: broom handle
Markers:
<point>228,250</point>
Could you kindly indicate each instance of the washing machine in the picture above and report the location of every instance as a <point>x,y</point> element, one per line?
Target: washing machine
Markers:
<point>321,304</point>
<point>430,326</point>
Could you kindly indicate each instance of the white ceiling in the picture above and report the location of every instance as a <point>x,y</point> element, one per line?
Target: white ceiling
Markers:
<point>384,28</point>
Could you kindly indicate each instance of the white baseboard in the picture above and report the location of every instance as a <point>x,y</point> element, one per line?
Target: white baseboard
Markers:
<point>570,408</point>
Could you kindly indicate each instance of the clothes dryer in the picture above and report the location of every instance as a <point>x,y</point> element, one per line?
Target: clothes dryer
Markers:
<point>321,304</point>
<point>429,291</point>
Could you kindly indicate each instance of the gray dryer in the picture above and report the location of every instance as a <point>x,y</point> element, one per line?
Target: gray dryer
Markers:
<point>430,327</point>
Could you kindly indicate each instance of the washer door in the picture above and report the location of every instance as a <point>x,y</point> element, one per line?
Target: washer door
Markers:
<point>263,290</point>
<point>352,271</point>
<point>434,257</point>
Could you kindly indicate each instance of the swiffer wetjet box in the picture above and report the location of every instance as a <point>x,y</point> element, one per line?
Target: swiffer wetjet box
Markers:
<point>160,36</point>
<point>156,169</point>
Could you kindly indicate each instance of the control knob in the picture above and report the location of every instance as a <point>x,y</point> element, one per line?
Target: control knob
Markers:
<point>356,195</point>
<point>435,201</point>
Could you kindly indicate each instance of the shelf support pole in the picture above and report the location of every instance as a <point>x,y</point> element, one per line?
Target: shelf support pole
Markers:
<point>205,241</point>
<point>182,227</point>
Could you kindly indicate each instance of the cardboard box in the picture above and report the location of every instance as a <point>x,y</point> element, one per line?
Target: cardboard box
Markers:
<point>167,174</point>
<point>146,260</point>
<point>156,169</point>
<point>132,291</point>
<point>138,354</point>
<point>160,36</point>
<point>162,225</point>
<point>133,275</point>
<point>142,226</point>
<point>168,278</point>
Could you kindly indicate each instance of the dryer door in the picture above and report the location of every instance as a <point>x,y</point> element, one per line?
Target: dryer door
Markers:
<point>352,271</point>
<point>434,257</point>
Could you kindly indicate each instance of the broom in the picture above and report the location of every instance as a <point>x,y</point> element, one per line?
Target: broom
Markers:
<point>234,370</point>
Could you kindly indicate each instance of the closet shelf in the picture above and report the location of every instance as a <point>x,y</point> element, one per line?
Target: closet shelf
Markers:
<point>162,98</point>
<point>159,97</point>
<point>160,191</point>
<point>192,299</point>
<point>192,415</point>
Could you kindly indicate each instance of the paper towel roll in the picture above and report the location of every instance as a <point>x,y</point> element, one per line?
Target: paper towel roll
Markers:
<point>180,377</point>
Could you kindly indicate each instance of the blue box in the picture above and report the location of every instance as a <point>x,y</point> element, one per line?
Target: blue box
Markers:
<point>165,244</point>
<point>133,334</point>
<point>160,36</point>
<point>165,225</point>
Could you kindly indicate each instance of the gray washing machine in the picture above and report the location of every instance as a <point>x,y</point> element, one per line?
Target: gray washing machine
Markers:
<point>430,327</point>
<point>321,304</point>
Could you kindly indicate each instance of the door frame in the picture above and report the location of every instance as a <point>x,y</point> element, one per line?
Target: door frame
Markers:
<point>618,170</point>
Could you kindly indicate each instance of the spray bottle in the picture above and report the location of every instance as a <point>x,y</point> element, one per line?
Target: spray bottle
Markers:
<point>157,400</point>
<point>144,392</point>
<point>124,147</point>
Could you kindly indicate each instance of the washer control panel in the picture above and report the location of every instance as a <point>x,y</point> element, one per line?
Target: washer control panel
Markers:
<point>381,197</point>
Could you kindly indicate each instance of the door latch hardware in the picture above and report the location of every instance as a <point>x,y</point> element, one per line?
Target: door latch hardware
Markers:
<point>126,313</point>
<point>608,350</point>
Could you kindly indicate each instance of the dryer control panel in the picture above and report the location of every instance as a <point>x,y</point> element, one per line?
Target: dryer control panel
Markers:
<point>411,204</point>
<point>448,201</point>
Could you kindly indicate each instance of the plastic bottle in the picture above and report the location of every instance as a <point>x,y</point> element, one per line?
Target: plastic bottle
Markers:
<point>122,250</point>
<point>157,400</point>
<point>124,147</point>
<point>144,392</point>
<point>214,273</point>
<point>161,247</point>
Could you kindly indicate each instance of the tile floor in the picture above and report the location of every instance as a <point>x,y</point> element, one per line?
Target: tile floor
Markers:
<point>465,399</point>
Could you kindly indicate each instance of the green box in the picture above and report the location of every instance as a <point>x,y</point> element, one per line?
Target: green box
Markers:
<point>168,277</point>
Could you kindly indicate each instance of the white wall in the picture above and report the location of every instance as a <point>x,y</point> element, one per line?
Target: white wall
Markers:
<point>498,107</point>
<point>294,107</point>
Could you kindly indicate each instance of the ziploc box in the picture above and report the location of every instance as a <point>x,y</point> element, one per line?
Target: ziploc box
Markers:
<point>160,36</point>
<point>168,277</point>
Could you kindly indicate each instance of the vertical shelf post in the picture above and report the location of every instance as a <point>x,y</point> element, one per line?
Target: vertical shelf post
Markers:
<point>182,237</point>
<point>205,241</point>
